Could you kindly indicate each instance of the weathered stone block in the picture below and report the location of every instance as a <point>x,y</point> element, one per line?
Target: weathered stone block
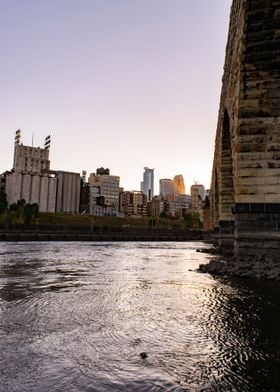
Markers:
<point>246,172</point>
<point>252,181</point>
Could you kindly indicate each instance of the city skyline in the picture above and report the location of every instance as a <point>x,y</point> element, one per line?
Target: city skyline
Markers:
<point>116,85</point>
<point>33,162</point>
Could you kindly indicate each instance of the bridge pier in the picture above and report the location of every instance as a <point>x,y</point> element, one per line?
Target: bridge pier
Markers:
<point>257,237</point>
<point>223,237</point>
<point>253,238</point>
<point>226,237</point>
<point>245,188</point>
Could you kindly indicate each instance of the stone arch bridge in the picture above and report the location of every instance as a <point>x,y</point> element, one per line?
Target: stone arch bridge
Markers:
<point>245,189</point>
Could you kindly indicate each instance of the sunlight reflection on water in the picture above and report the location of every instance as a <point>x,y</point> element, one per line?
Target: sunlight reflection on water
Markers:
<point>79,316</point>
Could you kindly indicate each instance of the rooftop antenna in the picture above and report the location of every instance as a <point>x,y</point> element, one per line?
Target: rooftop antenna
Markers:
<point>32,138</point>
<point>18,137</point>
<point>47,142</point>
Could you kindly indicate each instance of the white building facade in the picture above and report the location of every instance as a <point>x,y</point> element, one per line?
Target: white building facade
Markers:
<point>32,180</point>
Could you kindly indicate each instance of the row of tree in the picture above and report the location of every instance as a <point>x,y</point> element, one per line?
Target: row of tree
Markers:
<point>19,212</point>
<point>25,213</point>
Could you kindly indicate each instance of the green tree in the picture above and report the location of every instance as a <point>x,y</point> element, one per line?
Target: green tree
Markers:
<point>21,212</point>
<point>3,202</point>
<point>16,211</point>
<point>192,221</point>
<point>30,212</point>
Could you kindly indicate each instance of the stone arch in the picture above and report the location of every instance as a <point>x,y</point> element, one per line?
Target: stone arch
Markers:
<point>215,206</point>
<point>215,198</point>
<point>226,166</point>
<point>225,186</point>
<point>246,142</point>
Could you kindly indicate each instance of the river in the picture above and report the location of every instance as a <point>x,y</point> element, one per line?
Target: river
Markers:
<point>132,316</point>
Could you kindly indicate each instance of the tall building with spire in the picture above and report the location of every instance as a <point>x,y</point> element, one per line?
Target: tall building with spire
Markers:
<point>147,185</point>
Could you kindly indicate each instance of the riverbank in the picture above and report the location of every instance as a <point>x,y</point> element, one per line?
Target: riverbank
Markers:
<point>73,227</point>
<point>246,268</point>
<point>110,235</point>
<point>84,227</point>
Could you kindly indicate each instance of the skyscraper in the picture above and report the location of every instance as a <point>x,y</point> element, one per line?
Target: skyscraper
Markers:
<point>179,184</point>
<point>198,195</point>
<point>147,185</point>
<point>166,189</point>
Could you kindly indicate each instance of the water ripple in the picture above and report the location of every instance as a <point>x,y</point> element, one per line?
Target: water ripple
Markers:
<point>131,317</point>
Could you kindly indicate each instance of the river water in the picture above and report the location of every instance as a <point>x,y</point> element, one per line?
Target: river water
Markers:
<point>132,316</point>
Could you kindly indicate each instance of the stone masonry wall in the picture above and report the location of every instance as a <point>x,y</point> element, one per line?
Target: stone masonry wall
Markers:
<point>257,137</point>
<point>246,169</point>
<point>223,174</point>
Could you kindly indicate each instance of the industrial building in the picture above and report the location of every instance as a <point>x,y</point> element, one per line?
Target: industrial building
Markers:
<point>68,191</point>
<point>32,180</point>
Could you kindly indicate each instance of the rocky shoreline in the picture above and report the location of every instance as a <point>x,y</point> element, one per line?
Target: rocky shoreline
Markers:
<point>228,266</point>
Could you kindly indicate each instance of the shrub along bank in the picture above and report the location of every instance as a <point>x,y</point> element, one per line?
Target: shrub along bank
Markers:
<point>22,217</point>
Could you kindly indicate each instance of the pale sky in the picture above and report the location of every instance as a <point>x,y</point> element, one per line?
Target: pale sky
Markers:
<point>117,83</point>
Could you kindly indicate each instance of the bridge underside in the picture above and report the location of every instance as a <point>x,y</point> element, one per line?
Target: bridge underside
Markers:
<point>245,189</point>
